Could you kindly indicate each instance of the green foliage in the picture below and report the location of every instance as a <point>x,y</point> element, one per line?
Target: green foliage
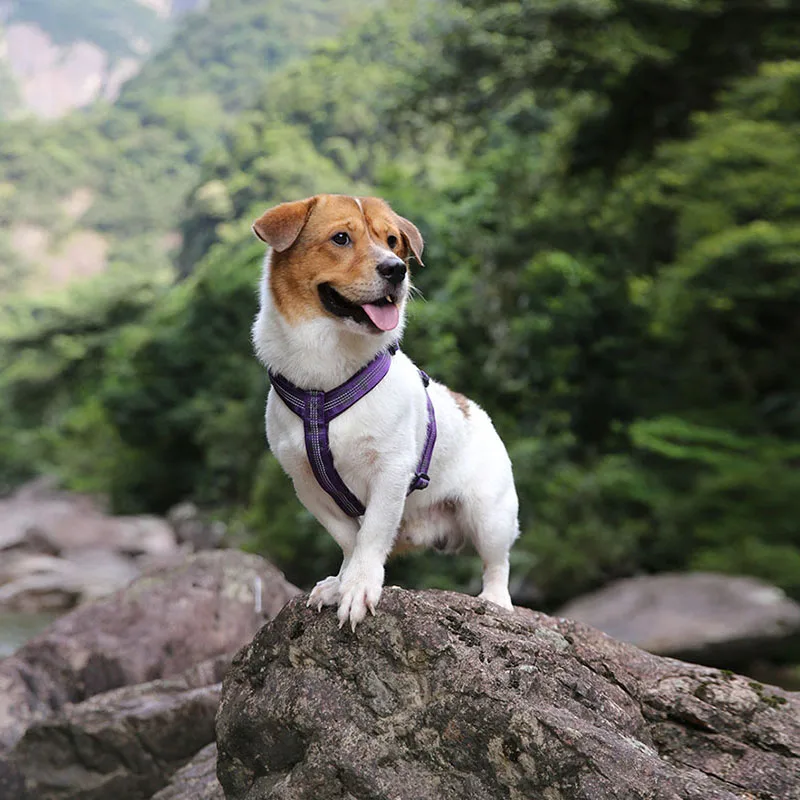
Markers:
<point>54,355</point>
<point>734,497</point>
<point>322,124</point>
<point>639,259</point>
<point>182,393</point>
<point>182,388</point>
<point>569,292</point>
<point>233,48</point>
<point>14,268</point>
<point>583,524</point>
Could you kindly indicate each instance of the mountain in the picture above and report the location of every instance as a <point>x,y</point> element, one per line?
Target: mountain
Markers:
<point>56,55</point>
<point>103,189</point>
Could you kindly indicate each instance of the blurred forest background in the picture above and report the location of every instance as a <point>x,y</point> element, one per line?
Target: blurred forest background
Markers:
<point>610,195</point>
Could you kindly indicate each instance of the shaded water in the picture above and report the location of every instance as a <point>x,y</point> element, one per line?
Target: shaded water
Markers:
<point>17,627</point>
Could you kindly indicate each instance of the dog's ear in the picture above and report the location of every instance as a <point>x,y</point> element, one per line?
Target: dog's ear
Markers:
<point>280,226</point>
<point>412,237</point>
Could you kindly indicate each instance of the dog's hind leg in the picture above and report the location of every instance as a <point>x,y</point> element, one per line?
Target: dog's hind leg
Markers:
<point>495,581</point>
<point>493,527</point>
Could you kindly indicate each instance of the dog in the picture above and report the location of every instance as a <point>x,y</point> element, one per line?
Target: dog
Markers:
<point>333,305</point>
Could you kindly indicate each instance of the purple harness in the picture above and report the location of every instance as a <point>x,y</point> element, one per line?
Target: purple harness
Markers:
<point>317,409</point>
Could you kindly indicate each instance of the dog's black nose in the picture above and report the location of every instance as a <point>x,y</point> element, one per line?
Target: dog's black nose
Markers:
<point>394,270</point>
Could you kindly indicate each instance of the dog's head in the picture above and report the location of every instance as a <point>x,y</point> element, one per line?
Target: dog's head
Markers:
<point>340,257</point>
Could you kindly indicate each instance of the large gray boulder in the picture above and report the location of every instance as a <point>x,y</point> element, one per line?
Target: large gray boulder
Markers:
<point>158,627</point>
<point>712,619</point>
<point>124,744</point>
<point>443,697</point>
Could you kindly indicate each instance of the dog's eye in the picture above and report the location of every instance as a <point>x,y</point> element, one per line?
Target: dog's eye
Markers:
<point>392,241</point>
<point>340,238</point>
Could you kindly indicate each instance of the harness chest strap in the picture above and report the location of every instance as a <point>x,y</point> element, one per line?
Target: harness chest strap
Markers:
<point>317,409</point>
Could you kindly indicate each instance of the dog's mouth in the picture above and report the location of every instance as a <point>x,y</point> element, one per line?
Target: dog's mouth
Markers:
<point>382,314</point>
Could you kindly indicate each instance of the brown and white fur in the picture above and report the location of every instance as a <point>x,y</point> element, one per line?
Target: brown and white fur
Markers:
<point>325,279</point>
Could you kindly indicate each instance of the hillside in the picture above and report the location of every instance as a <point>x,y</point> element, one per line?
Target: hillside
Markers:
<point>103,190</point>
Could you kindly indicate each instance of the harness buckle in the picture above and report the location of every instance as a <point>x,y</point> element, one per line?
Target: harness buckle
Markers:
<point>421,481</point>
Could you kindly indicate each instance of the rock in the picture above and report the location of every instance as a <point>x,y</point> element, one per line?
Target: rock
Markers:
<point>197,780</point>
<point>59,549</point>
<point>442,697</point>
<point>45,583</point>
<point>31,582</point>
<point>160,626</point>
<point>12,784</point>
<point>195,529</point>
<point>712,619</point>
<point>124,744</point>
<point>38,518</point>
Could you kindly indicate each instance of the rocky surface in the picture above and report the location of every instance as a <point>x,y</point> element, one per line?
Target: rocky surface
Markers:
<point>39,516</point>
<point>124,744</point>
<point>161,625</point>
<point>197,780</point>
<point>195,529</point>
<point>442,697</point>
<point>712,619</point>
<point>59,549</point>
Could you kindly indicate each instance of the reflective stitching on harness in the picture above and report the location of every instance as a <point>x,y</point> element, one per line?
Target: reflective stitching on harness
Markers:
<point>317,409</point>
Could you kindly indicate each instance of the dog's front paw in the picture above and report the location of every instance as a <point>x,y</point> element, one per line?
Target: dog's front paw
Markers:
<point>325,593</point>
<point>360,591</point>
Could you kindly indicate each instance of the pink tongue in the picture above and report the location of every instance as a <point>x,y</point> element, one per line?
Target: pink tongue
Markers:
<point>385,317</point>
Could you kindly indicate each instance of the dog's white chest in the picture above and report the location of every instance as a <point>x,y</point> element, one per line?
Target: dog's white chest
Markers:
<point>361,440</point>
